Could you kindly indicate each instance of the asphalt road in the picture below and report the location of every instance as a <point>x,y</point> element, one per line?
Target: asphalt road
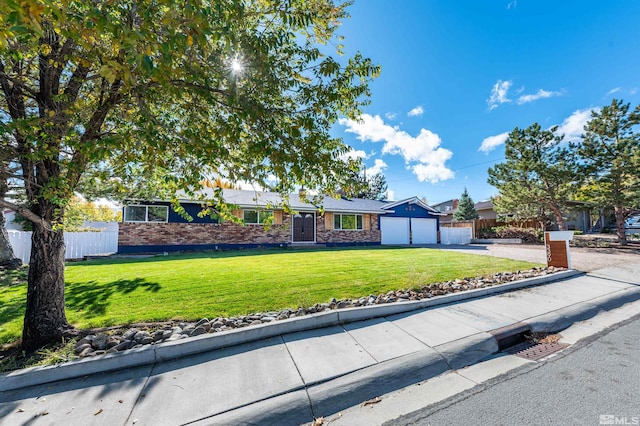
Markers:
<point>594,382</point>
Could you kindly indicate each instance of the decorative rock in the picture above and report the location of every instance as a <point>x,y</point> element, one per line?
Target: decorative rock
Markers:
<point>86,339</point>
<point>198,331</point>
<point>158,334</point>
<point>175,336</point>
<point>130,333</point>
<point>100,342</point>
<point>112,341</point>
<point>124,345</point>
<point>80,348</point>
<point>146,340</point>
<point>87,352</point>
<point>201,322</point>
<point>140,336</point>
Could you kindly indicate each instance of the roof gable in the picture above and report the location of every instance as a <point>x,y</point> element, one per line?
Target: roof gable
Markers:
<point>413,200</point>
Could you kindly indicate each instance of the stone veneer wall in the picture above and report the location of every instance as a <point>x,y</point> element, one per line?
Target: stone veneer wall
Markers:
<point>371,236</point>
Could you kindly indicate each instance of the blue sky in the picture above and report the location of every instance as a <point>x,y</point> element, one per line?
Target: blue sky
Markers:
<point>458,75</point>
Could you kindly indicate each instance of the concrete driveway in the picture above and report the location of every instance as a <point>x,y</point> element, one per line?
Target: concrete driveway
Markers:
<point>583,259</point>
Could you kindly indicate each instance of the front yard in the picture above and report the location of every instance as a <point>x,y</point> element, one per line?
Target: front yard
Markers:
<point>192,286</point>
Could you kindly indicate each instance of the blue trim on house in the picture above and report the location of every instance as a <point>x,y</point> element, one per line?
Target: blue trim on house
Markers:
<point>192,208</point>
<point>411,210</point>
<point>150,249</point>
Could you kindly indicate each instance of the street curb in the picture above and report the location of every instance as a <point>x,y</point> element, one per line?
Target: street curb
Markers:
<point>563,318</point>
<point>206,342</point>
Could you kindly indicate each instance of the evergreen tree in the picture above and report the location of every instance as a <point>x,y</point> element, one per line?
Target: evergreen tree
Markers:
<point>610,157</point>
<point>466,209</point>
<point>538,176</point>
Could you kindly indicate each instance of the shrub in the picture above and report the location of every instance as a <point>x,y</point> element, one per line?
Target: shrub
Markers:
<point>527,235</point>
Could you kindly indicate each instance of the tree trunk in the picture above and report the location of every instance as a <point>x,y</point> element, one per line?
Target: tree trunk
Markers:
<point>622,233</point>
<point>44,320</point>
<point>7,258</point>
<point>558,215</point>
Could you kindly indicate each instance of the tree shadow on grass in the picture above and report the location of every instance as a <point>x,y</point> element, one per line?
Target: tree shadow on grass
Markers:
<point>93,299</point>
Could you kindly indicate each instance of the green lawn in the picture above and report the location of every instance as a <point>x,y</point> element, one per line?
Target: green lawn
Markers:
<point>193,286</point>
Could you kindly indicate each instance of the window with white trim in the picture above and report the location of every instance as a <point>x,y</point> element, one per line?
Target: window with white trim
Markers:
<point>146,214</point>
<point>257,217</point>
<point>347,222</point>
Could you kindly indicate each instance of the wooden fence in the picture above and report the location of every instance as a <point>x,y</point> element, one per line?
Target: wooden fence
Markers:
<point>479,224</point>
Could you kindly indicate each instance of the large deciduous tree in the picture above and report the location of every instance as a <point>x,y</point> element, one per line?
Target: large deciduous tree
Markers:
<point>233,88</point>
<point>538,172</point>
<point>610,157</point>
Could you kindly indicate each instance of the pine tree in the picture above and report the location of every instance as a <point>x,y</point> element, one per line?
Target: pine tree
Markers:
<point>466,209</point>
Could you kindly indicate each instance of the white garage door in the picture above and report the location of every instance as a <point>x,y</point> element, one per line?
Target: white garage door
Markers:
<point>424,231</point>
<point>395,230</point>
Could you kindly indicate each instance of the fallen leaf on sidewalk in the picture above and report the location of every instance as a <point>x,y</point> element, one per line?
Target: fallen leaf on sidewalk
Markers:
<point>20,410</point>
<point>97,412</point>
<point>120,401</point>
<point>371,401</point>
<point>319,421</point>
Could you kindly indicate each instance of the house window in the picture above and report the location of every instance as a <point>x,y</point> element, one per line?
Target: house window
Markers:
<point>146,214</point>
<point>258,217</point>
<point>350,222</point>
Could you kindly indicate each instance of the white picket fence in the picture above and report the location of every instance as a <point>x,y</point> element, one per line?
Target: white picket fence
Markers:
<point>455,235</point>
<point>79,244</point>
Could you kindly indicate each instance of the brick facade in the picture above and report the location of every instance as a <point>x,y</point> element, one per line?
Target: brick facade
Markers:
<point>154,237</point>
<point>370,236</point>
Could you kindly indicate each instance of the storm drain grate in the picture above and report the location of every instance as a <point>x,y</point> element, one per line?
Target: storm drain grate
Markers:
<point>534,351</point>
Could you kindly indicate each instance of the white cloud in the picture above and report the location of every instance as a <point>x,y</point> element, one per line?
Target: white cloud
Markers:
<point>541,94</point>
<point>378,166</point>
<point>614,90</point>
<point>513,5</point>
<point>573,126</point>
<point>391,195</point>
<point>499,94</point>
<point>354,155</point>
<point>492,142</point>
<point>390,115</point>
<point>422,154</point>
<point>633,91</point>
<point>416,112</point>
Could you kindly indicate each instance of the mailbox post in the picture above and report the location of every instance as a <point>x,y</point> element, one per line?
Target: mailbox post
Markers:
<point>557,246</point>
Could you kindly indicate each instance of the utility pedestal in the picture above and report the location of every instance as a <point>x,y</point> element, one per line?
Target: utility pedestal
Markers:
<point>557,245</point>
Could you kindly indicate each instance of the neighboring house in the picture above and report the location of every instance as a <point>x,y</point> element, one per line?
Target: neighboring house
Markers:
<point>484,209</point>
<point>154,227</point>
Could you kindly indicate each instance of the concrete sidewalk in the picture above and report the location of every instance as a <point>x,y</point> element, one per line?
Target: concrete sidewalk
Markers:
<point>292,377</point>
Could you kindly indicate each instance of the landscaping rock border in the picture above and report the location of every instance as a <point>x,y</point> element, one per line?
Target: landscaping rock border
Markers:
<point>121,339</point>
